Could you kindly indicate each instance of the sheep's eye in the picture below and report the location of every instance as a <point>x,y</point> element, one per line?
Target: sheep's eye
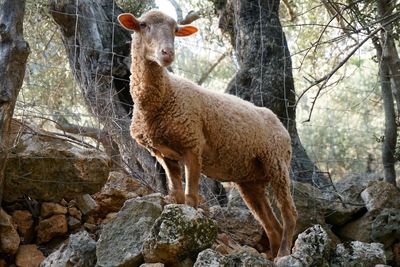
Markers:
<point>143,25</point>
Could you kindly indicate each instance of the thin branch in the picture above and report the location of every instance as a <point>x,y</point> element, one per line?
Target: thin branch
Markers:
<point>101,136</point>
<point>326,78</point>
<point>205,74</point>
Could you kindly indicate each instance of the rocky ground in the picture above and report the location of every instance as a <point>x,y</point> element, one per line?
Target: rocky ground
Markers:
<point>63,207</point>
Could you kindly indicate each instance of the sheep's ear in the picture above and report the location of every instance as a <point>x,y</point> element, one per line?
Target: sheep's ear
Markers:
<point>185,30</point>
<point>129,22</point>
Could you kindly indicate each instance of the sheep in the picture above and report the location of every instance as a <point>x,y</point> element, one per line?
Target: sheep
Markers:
<point>220,135</point>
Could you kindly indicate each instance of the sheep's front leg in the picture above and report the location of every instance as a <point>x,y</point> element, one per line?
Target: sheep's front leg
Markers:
<point>192,162</point>
<point>173,172</point>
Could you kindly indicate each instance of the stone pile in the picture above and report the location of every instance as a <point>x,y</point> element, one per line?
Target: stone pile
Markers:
<point>124,224</point>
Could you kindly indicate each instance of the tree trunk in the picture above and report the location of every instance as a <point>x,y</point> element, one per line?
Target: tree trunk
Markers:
<point>265,75</point>
<point>14,52</point>
<point>387,52</point>
<point>98,50</point>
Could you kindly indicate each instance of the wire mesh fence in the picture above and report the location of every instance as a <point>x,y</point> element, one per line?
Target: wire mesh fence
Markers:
<point>342,137</point>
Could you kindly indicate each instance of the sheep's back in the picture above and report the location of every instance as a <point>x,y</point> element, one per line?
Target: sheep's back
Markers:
<point>236,132</point>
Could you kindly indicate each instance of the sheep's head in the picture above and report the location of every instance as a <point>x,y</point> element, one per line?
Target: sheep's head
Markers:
<point>157,33</point>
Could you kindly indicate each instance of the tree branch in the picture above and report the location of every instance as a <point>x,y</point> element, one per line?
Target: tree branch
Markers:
<point>326,78</point>
<point>207,73</point>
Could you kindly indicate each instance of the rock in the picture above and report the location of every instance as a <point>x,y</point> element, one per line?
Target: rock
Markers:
<point>211,258</point>
<point>73,223</point>
<point>54,226</point>
<point>308,200</point>
<point>118,188</point>
<point>48,168</point>
<point>357,253</point>
<point>24,222</point>
<point>80,251</point>
<point>235,200</point>
<point>359,229</point>
<point>375,226</point>
<point>310,206</point>
<point>313,247</point>
<point>9,238</point>
<point>74,212</point>
<point>246,259</point>
<point>90,227</point>
<point>381,195</point>
<point>28,256</point>
<point>49,208</point>
<point>180,232</point>
<point>349,188</point>
<point>231,220</point>
<point>385,228</point>
<point>124,236</point>
<point>86,203</point>
<point>152,265</point>
<point>212,192</point>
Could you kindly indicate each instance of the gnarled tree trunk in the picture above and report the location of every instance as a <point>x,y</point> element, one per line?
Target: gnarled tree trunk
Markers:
<point>388,75</point>
<point>265,75</point>
<point>14,52</point>
<point>98,51</point>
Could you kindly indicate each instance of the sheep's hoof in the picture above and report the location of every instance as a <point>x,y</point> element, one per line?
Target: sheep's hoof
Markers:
<point>191,201</point>
<point>176,198</point>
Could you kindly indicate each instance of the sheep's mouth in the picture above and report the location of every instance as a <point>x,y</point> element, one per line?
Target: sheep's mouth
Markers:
<point>163,62</point>
<point>166,62</point>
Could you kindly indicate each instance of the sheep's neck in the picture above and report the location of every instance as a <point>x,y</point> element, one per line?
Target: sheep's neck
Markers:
<point>148,80</point>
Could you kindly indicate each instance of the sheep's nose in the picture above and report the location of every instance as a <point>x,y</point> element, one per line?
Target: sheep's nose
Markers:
<point>168,55</point>
<point>167,52</point>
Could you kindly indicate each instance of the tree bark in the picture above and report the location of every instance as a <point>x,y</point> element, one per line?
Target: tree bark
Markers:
<point>387,52</point>
<point>265,75</point>
<point>14,52</point>
<point>98,50</point>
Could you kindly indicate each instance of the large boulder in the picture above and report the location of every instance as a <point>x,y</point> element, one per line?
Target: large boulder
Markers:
<point>80,251</point>
<point>356,253</point>
<point>345,203</point>
<point>48,168</point>
<point>313,247</point>
<point>211,258</point>
<point>180,232</point>
<point>381,222</point>
<point>379,195</point>
<point>121,240</point>
<point>385,228</point>
<point>231,221</point>
<point>310,205</point>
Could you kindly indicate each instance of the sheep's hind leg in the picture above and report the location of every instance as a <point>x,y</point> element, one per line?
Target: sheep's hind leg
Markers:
<point>173,172</point>
<point>287,208</point>
<point>253,193</point>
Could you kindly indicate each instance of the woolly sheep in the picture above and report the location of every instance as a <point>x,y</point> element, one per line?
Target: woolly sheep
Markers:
<point>219,135</point>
